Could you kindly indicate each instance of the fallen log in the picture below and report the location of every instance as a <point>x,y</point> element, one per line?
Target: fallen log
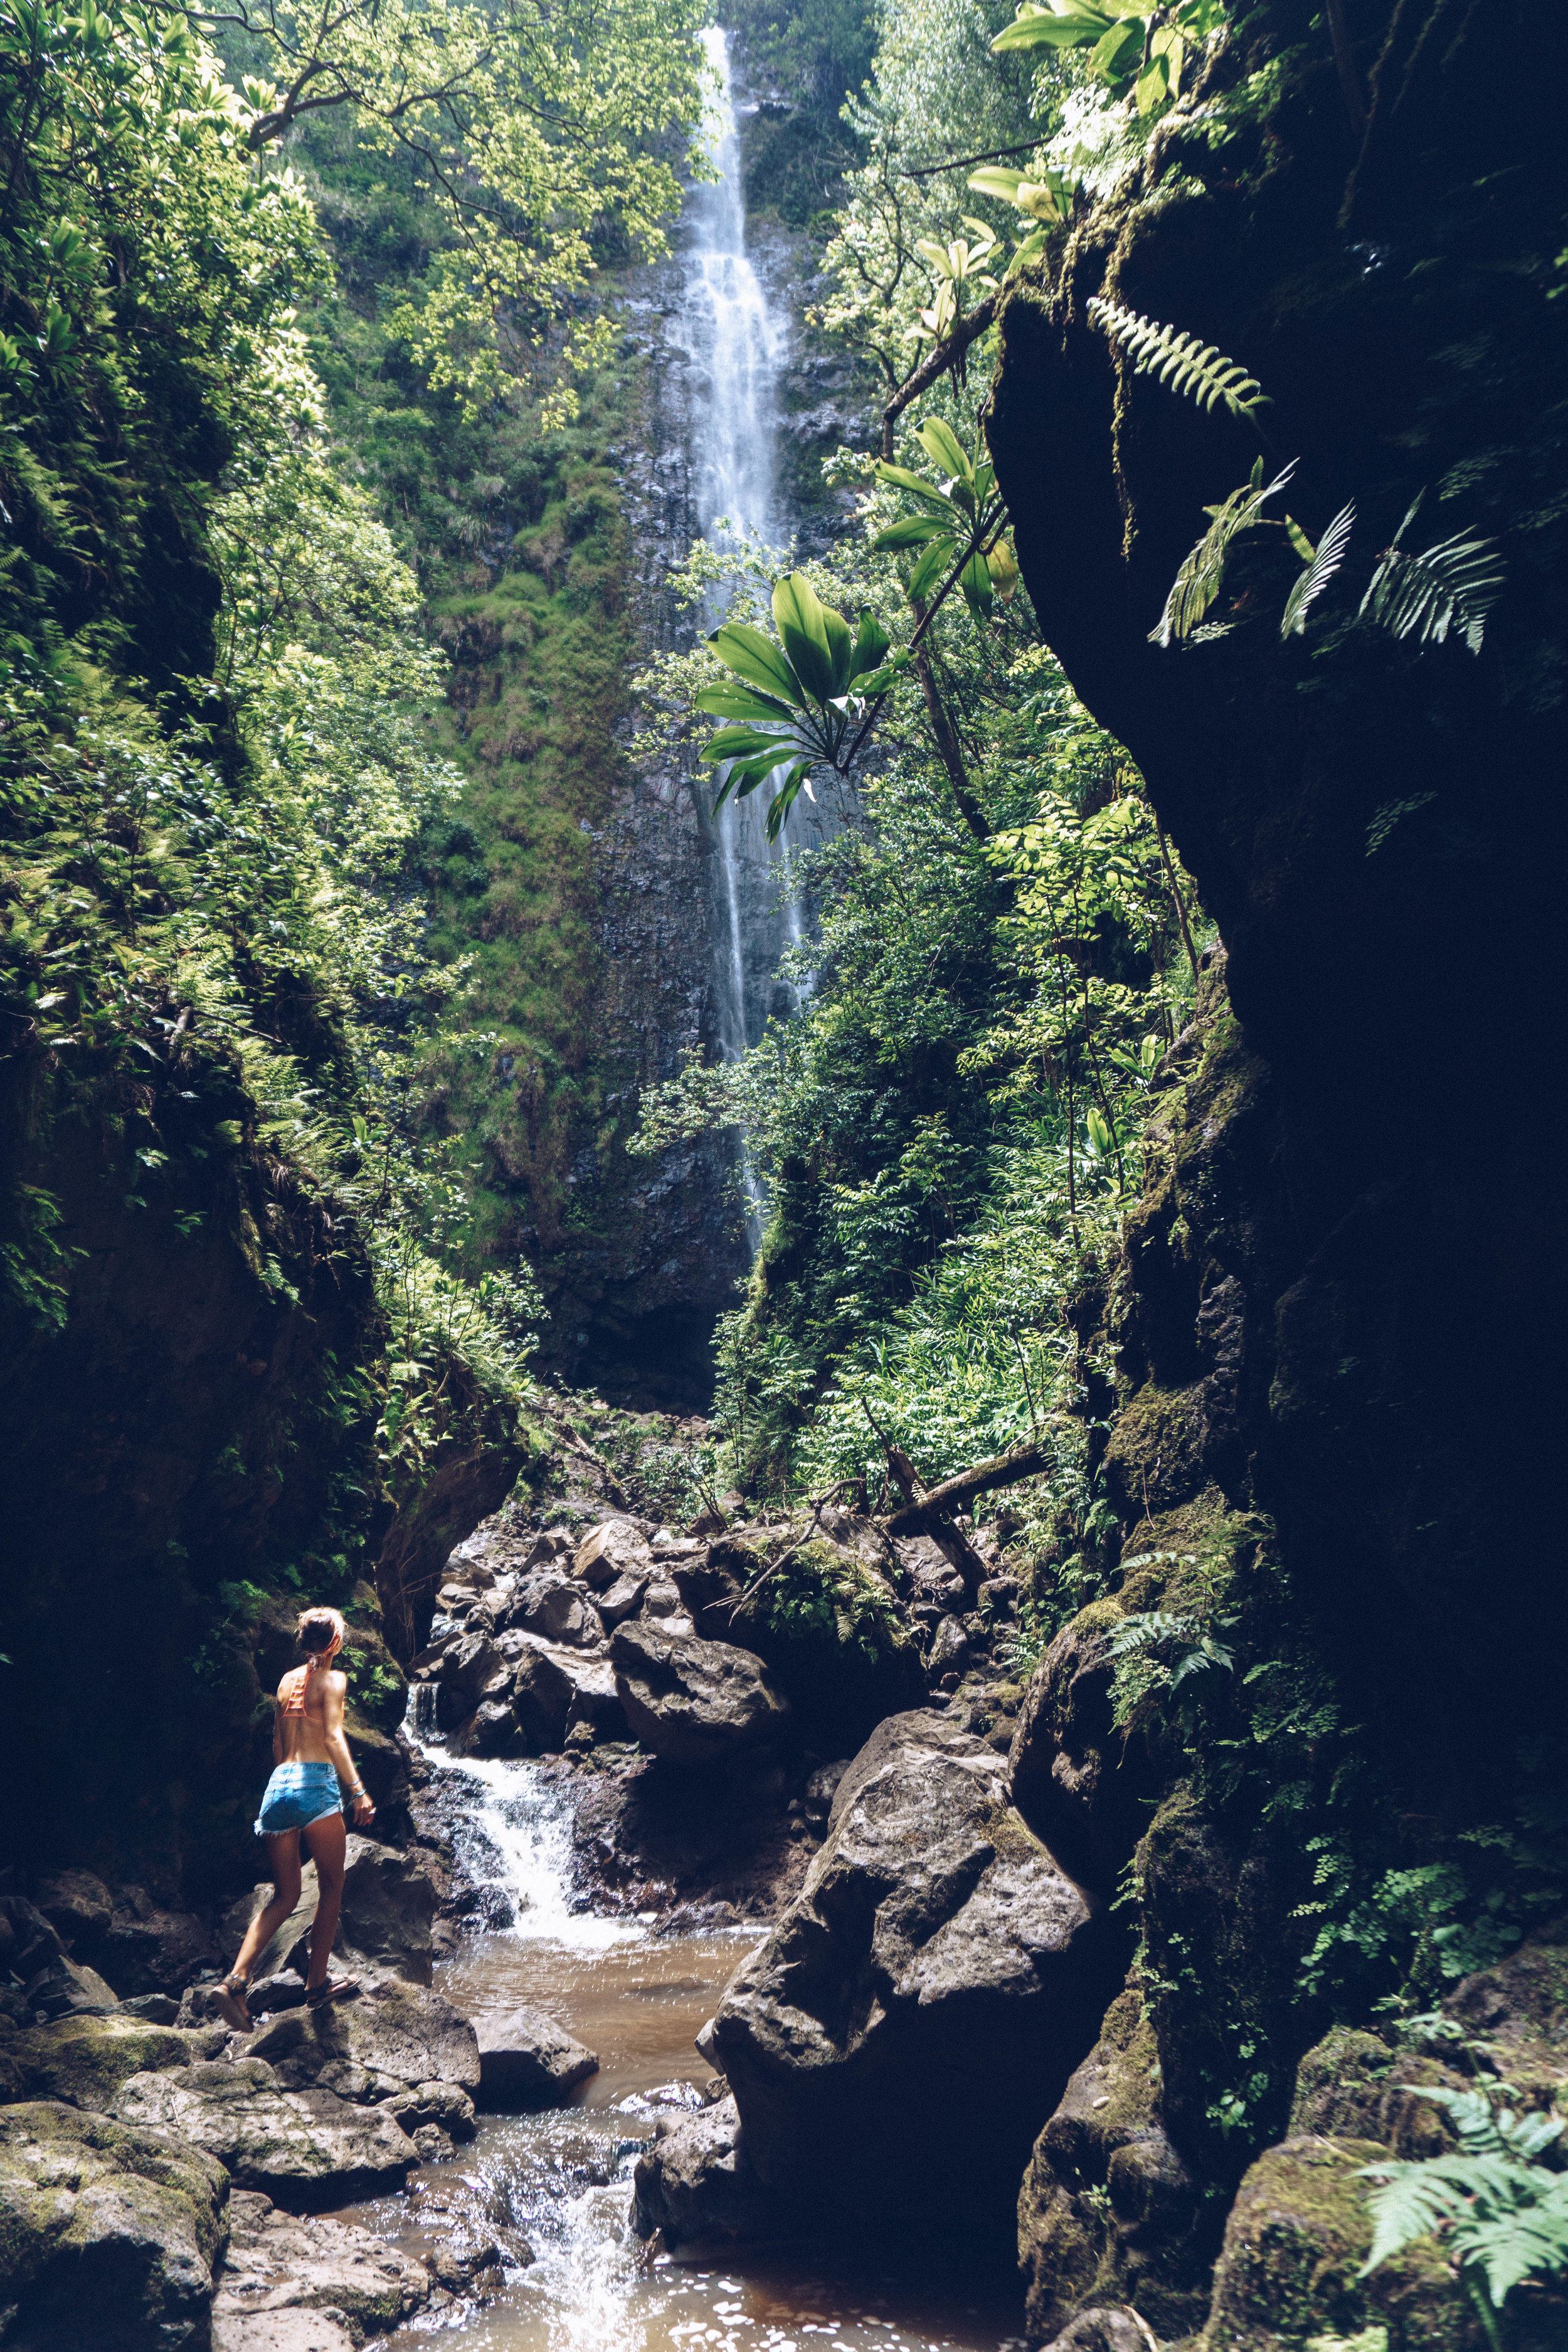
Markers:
<point>916,1518</point>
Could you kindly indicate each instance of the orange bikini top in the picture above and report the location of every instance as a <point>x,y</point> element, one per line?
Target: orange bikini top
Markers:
<point>295,1703</point>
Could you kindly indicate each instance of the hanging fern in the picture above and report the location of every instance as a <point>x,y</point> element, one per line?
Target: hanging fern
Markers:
<point>1197,369</point>
<point>1503,2214</point>
<point>1202,574</point>
<point>1453,586</point>
<point>1322,563</point>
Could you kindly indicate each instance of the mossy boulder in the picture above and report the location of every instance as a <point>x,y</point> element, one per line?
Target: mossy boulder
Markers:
<point>1518,2009</point>
<point>830,1628</point>
<point>1289,2268</point>
<point>1108,2212</point>
<point>1351,2085</point>
<point>109,2235</point>
<point>84,2060</point>
<point>1077,1783</point>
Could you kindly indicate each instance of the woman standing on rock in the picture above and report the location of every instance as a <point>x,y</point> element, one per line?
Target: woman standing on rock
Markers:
<point>310,1757</point>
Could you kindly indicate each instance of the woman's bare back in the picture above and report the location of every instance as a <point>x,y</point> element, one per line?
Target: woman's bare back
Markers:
<point>310,1705</point>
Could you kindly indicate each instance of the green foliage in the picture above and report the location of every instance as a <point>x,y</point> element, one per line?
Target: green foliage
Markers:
<point>1195,370</point>
<point>1501,2212</point>
<point>1161,1656</point>
<point>822,1594</point>
<point>528,131</point>
<point>1202,574</point>
<point>1451,585</point>
<point>801,702</point>
<point>1138,49</point>
<point>956,526</point>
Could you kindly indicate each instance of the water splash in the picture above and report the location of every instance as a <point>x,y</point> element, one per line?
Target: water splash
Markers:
<point>511,1836</point>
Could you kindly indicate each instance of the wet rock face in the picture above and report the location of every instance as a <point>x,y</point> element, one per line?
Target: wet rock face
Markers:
<point>937,1975</point>
<point>389,2030</point>
<point>696,2182</point>
<point>109,2233</point>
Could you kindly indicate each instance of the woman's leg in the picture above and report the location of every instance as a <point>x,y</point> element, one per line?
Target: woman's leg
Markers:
<point>283,1861</point>
<point>325,1841</point>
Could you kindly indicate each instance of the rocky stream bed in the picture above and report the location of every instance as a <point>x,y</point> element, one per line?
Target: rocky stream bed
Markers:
<point>727,1990</point>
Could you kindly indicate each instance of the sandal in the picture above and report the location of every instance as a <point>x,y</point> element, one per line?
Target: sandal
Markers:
<point>229,1993</point>
<point>333,1989</point>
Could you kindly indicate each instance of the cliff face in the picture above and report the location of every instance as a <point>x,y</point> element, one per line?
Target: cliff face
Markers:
<point>1328,1365</point>
<point>1377,830</point>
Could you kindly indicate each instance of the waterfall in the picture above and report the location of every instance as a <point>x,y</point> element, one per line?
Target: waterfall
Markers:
<point>736,343</point>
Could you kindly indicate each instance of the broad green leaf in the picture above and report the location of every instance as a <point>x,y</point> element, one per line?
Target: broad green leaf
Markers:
<point>974,585</point>
<point>878,681</point>
<point>745,743</point>
<point>871,642</point>
<point>840,646</point>
<point>900,479</point>
<point>1114,53</point>
<point>1003,571</point>
<point>755,659</point>
<point>937,257</point>
<point>739,702</point>
<point>936,561</point>
<point>1298,540</point>
<point>1043,28</point>
<point>800,620</point>
<point>912,531</point>
<point>997,181</point>
<point>943,444</point>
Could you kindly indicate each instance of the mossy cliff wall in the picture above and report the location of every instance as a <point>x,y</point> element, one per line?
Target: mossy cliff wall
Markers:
<point>1376,1303</point>
<point>1327,1370</point>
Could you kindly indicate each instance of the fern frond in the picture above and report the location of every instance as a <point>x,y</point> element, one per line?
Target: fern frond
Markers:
<point>1197,369</point>
<point>1452,585</point>
<point>1414,2198</point>
<point>1202,574</point>
<point>1513,2246</point>
<point>1311,584</point>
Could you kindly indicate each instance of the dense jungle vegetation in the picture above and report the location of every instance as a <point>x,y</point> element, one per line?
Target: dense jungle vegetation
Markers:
<point>311,382</point>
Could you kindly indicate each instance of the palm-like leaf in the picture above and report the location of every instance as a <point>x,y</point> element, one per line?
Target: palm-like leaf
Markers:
<point>1450,586</point>
<point>1202,574</point>
<point>1197,369</point>
<point>1321,565</point>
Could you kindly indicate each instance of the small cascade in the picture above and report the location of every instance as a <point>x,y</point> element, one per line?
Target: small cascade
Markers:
<point>511,1836</point>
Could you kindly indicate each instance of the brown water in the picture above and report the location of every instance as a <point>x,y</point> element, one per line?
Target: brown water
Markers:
<point>559,2183</point>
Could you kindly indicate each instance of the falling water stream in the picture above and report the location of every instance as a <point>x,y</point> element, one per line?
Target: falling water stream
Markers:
<point>736,342</point>
<point>559,2183</point>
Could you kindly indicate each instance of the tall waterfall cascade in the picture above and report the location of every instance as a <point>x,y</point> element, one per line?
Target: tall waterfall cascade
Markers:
<point>737,343</point>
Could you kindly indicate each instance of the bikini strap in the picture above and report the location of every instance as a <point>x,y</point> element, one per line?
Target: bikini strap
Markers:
<point>296,1700</point>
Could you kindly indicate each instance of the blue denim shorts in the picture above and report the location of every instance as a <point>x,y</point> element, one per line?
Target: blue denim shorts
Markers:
<point>297,1795</point>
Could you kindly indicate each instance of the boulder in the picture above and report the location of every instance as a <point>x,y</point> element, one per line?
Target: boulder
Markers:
<point>33,1942</point>
<point>1288,2272</point>
<point>615,1547</point>
<point>145,1949</point>
<point>400,2033</point>
<point>444,2104</point>
<point>1350,2086</point>
<point>77,1905</point>
<point>83,2060</point>
<point>109,2234</point>
<point>305,2150</point>
<point>1521,2008</point>
<point>388,1906</point>
<point>554,1688</point>
<point>153,2008</point>
<point>692,1701</point>
<point>466,1665</point>
<point>949,1652</point>
<point>1080,1783</point>
<point>936,1964</point>
<point>1107,2211</point>
<point>281,2331</point>
<point>622,1599</point>
<point>526,2061</point>
<point>1114,2329</point>
<point>542,1694</point>
<point>697,2183</point>
<point>62,1986</point>
<point>277,2262</point>
<point>557,1608</point>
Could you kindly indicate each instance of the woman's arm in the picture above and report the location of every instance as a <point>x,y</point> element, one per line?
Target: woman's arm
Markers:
<point>333,1698</point>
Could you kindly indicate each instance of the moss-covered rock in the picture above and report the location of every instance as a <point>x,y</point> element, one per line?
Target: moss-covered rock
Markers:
<point>84,2060</point>
<point>108,2234</point>
<point>1108,2212</point>
<point>1350,2086</point>
<point>1289,2270</point>
<point>1074,1780</point>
